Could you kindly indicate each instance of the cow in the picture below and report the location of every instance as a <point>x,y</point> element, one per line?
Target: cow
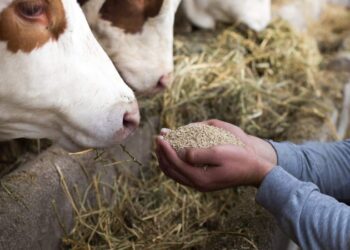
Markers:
<point>256,14</point>
<point>138,37</point>
<point>56,81</point>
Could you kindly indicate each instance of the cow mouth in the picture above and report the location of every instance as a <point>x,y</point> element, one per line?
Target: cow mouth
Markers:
<point>74,145</point>
<point>124,133</point>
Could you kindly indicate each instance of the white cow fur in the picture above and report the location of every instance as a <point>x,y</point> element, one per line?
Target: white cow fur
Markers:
<point>67,90</point>
<point>142,58</point>
<point>300,13</point>
<point>256,14</point>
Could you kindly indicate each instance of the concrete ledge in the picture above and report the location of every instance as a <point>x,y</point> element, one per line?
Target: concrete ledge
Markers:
<point>29,196</point>
<point>34,209</point>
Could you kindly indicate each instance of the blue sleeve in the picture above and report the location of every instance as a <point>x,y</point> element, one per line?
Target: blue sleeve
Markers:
<point>325,164</point>
<point>312,219</point>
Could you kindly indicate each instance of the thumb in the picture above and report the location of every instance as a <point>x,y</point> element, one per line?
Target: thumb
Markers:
<point>211,156</point>
<point>200,156</point>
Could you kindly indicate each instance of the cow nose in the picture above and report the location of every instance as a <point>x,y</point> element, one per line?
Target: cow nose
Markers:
<point>131,118</point>
<point>164,81</point>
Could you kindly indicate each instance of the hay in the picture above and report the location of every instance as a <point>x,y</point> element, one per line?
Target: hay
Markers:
<point>260,82</point>
<point>154,212</point>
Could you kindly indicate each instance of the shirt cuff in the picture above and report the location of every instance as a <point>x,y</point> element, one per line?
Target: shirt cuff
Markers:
<point>287,157</point>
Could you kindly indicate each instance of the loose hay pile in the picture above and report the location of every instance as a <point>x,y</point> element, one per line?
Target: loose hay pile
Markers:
<point>262,83</point>
<point>200,136</point>
<point>152,212</point>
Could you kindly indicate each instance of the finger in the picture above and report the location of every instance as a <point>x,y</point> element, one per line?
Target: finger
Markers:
<point>234,130</point>
<point>165,166</point>
<point>223,125</point>
<point>214,156</point>
<point>215,123</point>
<point>193,174</point>
<point>164,131</point>
<point>169,172</point>
<point>201,156</point>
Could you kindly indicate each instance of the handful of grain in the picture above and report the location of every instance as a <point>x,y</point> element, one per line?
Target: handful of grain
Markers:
<point>200,136</point>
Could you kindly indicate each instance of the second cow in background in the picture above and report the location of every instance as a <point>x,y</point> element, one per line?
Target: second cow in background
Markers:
<point>138,37</point>
<point>256,14</point>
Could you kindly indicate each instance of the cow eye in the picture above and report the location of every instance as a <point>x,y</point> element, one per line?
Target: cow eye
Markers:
<point>31,9</point>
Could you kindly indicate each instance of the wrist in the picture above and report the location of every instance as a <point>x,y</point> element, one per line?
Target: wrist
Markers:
<point>264,150</point>
<point>264,167</point>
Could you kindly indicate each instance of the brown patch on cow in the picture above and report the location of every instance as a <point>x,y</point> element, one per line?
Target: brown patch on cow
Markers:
<point>130,15</point>
<point>27,35</point>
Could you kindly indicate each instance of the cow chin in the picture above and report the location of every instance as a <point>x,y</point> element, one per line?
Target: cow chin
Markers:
<point>79,142</point>
<point>104,136</point>
<point>69,138</point>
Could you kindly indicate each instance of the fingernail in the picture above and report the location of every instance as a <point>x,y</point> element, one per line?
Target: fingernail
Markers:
<point>161,137</point>
<point>165,131</point>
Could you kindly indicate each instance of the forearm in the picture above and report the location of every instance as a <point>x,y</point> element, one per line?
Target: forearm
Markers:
<point>325,164</point>
<point>312,219</point>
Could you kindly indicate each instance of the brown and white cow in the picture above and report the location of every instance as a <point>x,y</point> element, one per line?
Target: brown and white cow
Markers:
<point>138,37</point>
<point>56,81</point>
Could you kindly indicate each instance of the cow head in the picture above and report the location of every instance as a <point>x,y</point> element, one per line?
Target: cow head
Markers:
<point>56,81</point>
<point>138,36</point>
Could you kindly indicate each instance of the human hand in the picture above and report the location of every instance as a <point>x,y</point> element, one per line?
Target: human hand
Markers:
<point>229,165</point>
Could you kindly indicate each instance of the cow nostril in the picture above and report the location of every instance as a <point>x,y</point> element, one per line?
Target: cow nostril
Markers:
<point>164,81</point>
<point>131,120</point>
